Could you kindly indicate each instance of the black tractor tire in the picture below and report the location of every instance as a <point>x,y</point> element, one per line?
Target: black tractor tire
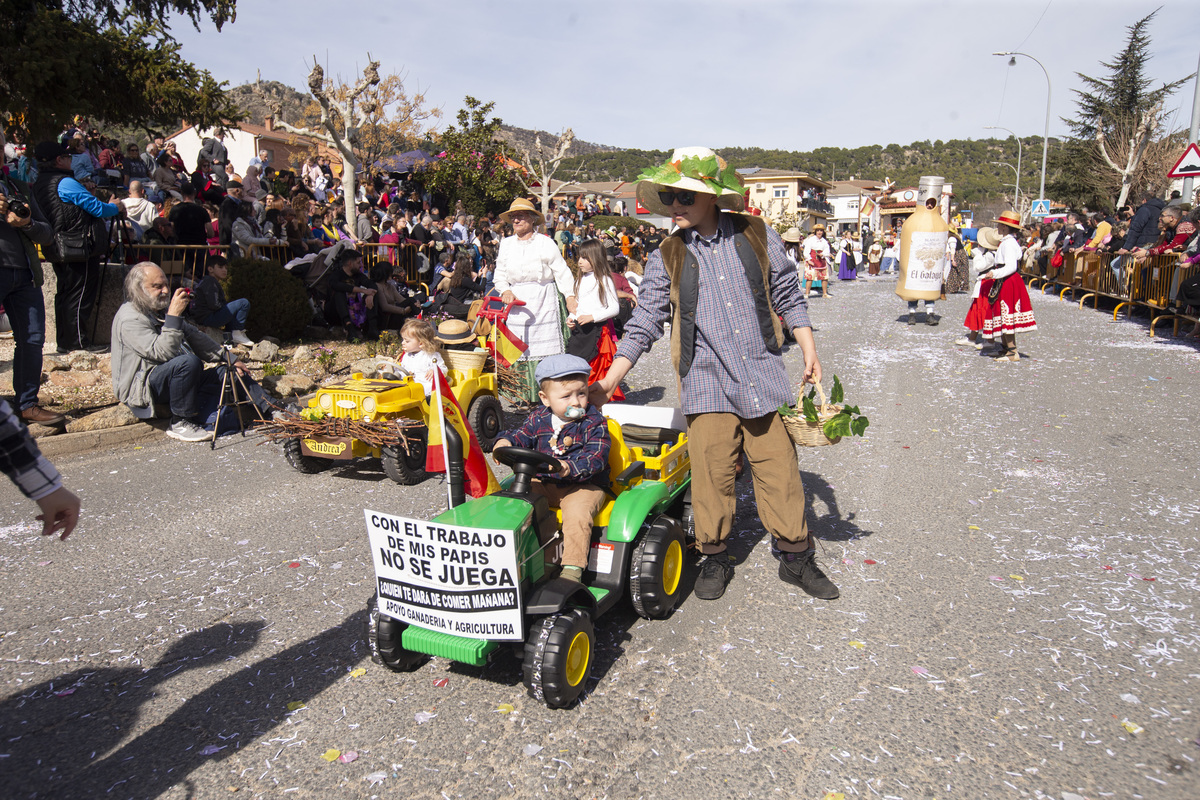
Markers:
<point>405,467</point>
<point>383,641</point>
<point>558,657</point>
<point>656,568</point>
<point>486,417</point>
<point>309,465</point>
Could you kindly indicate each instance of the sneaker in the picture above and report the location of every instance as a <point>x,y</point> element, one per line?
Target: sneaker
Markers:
<point>932,319</point>
<point>979,345</point>
<point>964,341</point>
<point>240,337</point>
<point>96,348</point>
<point>715,574</point>
<point>187,431</point>
<point>801,570</point>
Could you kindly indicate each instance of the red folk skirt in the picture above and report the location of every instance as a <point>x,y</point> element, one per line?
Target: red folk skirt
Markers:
<point>604,357</point>
<point>1012,312</point>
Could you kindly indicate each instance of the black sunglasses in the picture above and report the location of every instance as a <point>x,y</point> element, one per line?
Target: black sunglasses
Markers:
<point>685,197</point>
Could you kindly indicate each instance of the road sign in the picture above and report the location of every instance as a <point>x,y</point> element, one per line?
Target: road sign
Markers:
<point>1188,165</point>
<point>1041,208</point>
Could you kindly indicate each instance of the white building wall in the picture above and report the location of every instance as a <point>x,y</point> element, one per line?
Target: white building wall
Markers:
<point>242,146</point>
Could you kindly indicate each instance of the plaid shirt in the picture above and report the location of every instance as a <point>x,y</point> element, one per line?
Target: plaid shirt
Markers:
<point>587,453</point>
<point>732,371</point>
<point>22,461</point>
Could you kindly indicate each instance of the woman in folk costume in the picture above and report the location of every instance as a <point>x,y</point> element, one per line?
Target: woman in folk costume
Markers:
<point>847,264</point>
<point>530,268</point>
<point>1009,309</point>
<point>816,260</point>
<point>958,265</point>
<point>982,260</point>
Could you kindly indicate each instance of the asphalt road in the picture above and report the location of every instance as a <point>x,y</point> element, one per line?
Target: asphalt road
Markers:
<point>1016,547</point>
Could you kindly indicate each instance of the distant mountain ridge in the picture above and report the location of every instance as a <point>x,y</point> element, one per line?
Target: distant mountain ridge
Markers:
<point>523,138</point>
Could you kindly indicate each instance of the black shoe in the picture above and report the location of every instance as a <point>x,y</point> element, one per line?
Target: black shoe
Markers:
<point>932,319</point>
<point>715,574</point>
<point>801,569</point>
<point>912,319</point>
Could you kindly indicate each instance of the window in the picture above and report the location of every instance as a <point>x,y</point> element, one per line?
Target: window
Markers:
<point>852,205</point>
<point>780,191</point>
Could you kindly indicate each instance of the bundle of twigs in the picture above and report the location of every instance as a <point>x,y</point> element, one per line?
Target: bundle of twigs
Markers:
<point>512,385</point>
<point>389,433</point>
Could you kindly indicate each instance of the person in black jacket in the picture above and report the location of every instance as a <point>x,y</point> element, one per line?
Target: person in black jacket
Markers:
<point>213,151</point>
<point>1143,229</point>
<point>78,221</point>
<point>22,228</point>
<point>351,300</point>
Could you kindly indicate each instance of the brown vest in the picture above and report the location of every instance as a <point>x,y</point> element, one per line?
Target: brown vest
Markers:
<point>750,239</point>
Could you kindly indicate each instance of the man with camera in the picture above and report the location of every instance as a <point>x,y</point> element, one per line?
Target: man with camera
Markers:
<point>21,296</point>
<point>158,357</point>
<point>79,242</point>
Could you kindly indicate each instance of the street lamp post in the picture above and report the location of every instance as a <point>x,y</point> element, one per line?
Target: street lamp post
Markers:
<point>1046,134</point>
<point>1017,185</point>
<point>1016,191</point>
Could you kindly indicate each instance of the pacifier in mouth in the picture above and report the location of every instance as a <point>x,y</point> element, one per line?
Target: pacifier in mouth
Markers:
<point>574,412</point>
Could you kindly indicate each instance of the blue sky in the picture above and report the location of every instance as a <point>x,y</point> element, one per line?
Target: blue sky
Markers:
<point>657,74</point>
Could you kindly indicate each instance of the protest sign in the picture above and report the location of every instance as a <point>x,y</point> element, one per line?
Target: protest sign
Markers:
<point>457,580</point>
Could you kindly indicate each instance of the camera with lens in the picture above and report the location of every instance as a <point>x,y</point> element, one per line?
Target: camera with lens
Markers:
<point>18,208</point>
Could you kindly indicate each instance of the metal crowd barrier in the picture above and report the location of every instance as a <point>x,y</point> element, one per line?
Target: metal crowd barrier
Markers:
<point>404,257</point>
<point>176,260</point>
<point>278,253</point>
<point>1176,315</point>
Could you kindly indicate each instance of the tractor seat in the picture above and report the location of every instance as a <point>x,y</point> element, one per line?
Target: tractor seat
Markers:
<point>647,427</point>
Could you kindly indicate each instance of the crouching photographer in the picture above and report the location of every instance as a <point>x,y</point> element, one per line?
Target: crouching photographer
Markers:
<point>158,358</point>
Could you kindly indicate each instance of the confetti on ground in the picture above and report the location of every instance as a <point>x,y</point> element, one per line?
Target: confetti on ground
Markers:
<point>834,796</point>
<point>358,673</point>
<point>376,777</point>
<point>331,755</point>
<point>857,645</point>
<point>294,564</point>
<point>211,749</point>
<point>348,757</point>
<point>1132,727</point>
<point>296,705</point>
<point>532,749</point>
<point>423,716</point>
<point>44,563</point>
<point>65,693</point>
<point>1149,579</point>
<point>1129,698</point>
<point>847,561</point>
<point>920,670</point>
<point>441,683</point>
<point>1107,567</point>
<point>870,561</point>
<point>504,708</point>
<point>725,648</point>
<point>1016,577</point>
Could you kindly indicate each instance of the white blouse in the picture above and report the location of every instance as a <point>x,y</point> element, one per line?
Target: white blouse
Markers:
<point>533,260</point>
<point>421,364</point>
<point>589,299</point>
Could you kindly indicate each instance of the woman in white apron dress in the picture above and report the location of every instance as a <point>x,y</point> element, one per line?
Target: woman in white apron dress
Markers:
<point>530,268</point>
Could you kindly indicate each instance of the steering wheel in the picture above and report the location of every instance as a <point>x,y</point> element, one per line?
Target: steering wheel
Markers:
<point>525,465</point>
<point>398,370</point>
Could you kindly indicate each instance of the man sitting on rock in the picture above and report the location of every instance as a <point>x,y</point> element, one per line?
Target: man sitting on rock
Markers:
<point>158,357</point>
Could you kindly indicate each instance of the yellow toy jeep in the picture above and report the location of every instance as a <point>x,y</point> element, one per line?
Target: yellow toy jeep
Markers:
<point>365,406</point>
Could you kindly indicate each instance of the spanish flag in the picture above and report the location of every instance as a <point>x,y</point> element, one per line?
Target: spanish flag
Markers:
<point>477,475</point>
<point>505,346</point>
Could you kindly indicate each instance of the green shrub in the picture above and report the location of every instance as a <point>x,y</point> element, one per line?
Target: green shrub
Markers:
<point>279,304</point>
<point>603,222</point>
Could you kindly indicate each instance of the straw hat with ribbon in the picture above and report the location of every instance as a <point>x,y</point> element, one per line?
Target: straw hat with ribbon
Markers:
<point>522,204</point>
<point>1010,218</point>
<point>696,169</point>
<point>454,331</point>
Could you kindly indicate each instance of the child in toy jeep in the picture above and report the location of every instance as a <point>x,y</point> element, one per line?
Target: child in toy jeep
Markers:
<point>477,576</point>
<point>575,435</point>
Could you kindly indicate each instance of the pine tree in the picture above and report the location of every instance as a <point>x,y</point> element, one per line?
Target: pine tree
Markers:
<point>1124,114</point>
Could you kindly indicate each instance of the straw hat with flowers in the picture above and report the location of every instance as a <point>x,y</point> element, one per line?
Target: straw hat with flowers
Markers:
<point>696,169</point>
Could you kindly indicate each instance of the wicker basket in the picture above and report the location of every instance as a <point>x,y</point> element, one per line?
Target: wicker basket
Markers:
<point>466,360</point>
<point>810,434</point>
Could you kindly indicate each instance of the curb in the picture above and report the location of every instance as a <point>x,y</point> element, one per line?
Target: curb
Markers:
<point>69,444</point>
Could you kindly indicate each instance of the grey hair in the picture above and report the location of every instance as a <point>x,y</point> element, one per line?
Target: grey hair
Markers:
<point>135,291</point>
<point>1172,211</point>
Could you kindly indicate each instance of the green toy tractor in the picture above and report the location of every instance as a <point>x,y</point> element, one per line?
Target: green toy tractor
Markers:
<point>476,579</point>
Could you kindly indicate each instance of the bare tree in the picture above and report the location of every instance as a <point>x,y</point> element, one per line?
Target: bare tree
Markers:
<point>1128,146</point>
<point>540,165</point>
<point>341,121</point>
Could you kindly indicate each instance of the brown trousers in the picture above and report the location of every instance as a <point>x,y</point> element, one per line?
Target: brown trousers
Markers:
<point>579,503</point>
<point>714,441</point>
